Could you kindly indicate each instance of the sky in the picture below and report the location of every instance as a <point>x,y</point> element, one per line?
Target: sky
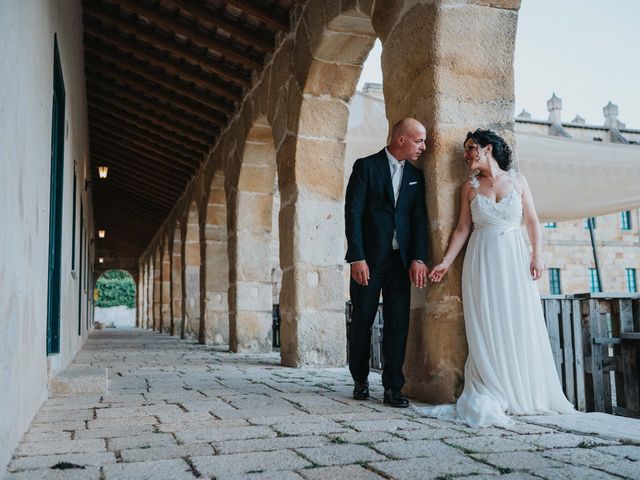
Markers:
<point>586,51</point>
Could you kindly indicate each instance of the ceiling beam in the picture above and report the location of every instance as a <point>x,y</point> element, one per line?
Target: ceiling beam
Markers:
<point>100,39</point>
<point>128,64</point>
<point>143,119</point>
<point>128,128</point>
<point>140,85</point>
<point>233,27</point>
<point>264,15</point>
<point>141,147</point>
<point>107,144</point>
<point>122,156</point>
<point>145,176</point>
<point>208,40</point>
<point>153,106</point>
<point>238,76</point>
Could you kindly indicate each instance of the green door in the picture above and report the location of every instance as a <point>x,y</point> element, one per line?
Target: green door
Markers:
<point>55,207</point>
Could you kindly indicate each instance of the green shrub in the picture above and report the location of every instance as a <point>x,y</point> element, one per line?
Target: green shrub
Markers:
<point>115,288</point>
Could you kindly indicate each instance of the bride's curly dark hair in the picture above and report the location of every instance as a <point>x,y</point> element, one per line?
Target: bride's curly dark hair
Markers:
<point>501,151</point>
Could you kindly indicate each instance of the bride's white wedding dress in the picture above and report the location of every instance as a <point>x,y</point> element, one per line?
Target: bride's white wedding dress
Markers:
<point>510,368</point>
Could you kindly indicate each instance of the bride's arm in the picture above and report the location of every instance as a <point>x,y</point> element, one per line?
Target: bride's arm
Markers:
<point>458,237</point>
<point>533,230</point>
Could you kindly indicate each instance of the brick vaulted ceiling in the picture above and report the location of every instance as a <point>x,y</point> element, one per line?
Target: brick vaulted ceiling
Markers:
<point>163,79</point>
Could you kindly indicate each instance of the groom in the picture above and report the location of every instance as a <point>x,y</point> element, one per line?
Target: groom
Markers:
<point>386,235</point>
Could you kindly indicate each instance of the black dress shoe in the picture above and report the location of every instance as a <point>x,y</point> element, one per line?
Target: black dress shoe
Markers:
<point>361,390</point>
<point>395,399</point>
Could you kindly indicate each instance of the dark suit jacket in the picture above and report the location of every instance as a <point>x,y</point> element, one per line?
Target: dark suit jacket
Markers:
<point>371,216</point>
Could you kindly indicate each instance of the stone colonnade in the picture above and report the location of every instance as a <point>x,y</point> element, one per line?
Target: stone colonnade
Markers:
<point>448,64</point>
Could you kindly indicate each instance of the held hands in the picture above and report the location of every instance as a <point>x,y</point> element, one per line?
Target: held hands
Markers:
<point>360,272</point>
<point>418,272</point>
<point>536,267</point>
<point>440,270</point>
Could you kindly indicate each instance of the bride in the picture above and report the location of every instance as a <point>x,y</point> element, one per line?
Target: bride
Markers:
<point>510,368</point>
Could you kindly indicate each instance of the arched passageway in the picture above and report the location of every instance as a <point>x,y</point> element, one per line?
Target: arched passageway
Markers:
<point>115,306</point>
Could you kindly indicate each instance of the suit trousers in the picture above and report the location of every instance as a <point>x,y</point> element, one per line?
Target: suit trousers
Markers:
<point>393,280</point>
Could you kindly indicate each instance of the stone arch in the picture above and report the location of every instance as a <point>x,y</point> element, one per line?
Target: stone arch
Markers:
<point>176,282</point>
<point>192,273</point>
<point>165,294</point>
<point>216,265</point>
<point>251,290</point>
<point>311,167</point>
<point>117,295</point>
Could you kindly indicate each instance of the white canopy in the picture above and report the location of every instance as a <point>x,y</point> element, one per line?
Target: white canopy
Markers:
<point>574,179</point>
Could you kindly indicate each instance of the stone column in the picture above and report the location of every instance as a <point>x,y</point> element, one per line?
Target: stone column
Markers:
<point>192,273</point>
<point>176,283</point>
<point>450,65</point>
<point>217,266</point>
<point>139,296</point>
<point>157,290</point>
<point>250,289</point>
<point>311,175</point>
<point>149,293</point>
<point>165,321</point>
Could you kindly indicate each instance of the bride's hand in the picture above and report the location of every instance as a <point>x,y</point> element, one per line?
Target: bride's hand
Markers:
<point>438,272</point>
<point>536,267</point>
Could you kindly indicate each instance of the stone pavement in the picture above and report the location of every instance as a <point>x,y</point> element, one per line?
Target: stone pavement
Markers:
<point>177,410</point>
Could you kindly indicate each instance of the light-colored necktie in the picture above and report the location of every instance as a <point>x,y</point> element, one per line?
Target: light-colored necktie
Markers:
<point>395,179</point>
<point>396,175</point>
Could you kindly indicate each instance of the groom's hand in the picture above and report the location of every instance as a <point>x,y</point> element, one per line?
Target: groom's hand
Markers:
<point>360,272</point>
<point>418,272</point>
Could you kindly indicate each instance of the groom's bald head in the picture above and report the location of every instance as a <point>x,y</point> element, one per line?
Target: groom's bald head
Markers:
<point>407,139</point>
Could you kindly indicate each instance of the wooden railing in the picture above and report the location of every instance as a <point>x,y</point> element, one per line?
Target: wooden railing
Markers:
<point>595,340</point>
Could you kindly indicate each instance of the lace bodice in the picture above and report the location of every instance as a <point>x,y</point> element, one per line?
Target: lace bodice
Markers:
<point>487,213</point>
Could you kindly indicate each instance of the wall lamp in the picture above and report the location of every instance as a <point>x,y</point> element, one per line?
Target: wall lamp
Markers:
<point>102,233</point>
<point>103,170</point>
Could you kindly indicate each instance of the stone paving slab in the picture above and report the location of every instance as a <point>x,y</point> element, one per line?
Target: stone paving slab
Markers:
<point>182,410</point>
<point>352,472</point>
<point>431,467</point>
<point>269,444</point>
<point>340,455</point>
<point>48,461</point>
<point>87,473</point>
<point>517,460</point>
<point>146,440</point>
<point>222,466</point>
<point>578,473</point>
<point>156,470</point>
<point>219,434</point>
<point>68,446</point>
<point>160,453</point>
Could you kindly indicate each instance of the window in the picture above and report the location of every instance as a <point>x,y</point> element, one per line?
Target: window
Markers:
<point>631,280</point>
<point>592,220</point>
<point>554,281</point>
<point>594,284</point>
<point>625,220</point>
<point>550,225</point>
